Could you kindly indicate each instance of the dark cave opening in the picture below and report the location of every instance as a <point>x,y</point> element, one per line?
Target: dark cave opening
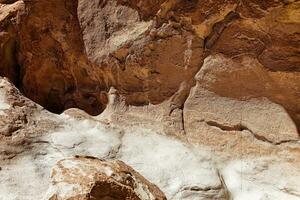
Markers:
<point>9,65</point>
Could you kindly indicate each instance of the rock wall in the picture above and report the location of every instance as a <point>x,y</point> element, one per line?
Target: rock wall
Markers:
<point>68,54</point>
<point>222,74</point>
<point>77,156</point>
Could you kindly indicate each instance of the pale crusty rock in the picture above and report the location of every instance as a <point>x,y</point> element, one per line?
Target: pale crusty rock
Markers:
<point>165,164</point>
<point>249,179</point>
<point>88,178</point>
<point>4,104</point>
<point>183,170</point>
<point>41,139</point>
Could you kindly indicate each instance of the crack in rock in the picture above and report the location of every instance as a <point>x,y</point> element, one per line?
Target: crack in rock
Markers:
<point>114,151</point>
<point>211,192</point>
<point>218,28</point>
<point>241,127</point>
<point>199,189</point>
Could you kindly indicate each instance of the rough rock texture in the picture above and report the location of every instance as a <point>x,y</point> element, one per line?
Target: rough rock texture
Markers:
<point>53,61</point>
<point>9,40</point>
<point>69,54</point>
<point>251,114</point>
<point>215,168</point>
<point>91,178</point>
<point>213,84</point>
<point>210,163</point>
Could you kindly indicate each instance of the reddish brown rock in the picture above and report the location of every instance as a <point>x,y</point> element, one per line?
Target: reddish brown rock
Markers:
<point>68,54</point>
<point>222,73</point>
<point>55,71</point>
<point>9,66</point>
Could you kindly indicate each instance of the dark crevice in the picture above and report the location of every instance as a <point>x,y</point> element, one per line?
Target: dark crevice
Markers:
<point>58,90</point>
<point>240,127</point>
<point>227,194</point>
<point>10,68</point>
<point>182,120</point>
<point>224,127</point>
<point>218,28</point>
<point>220,190</point>
<point>65,92</point>
<point>178,100</point>
<point>199,189</point>
<point>8,1</point>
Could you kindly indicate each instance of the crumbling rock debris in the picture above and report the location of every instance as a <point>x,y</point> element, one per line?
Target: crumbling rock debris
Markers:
<point>88,178</point>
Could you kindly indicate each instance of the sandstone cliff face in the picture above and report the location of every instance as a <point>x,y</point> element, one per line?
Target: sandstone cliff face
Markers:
<point>69,54</point>
<point>219,74</point>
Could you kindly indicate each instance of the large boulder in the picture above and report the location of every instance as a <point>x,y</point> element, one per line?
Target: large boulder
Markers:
<point>228,95</point>
<point>88,178</point>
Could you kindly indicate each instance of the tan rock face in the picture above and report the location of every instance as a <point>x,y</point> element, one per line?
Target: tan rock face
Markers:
<point>149,57</point>
<point>206,109</point>
<point>70,54</point>
<point>244,78</point>
<point>88,178</point>
<point>221,73</point>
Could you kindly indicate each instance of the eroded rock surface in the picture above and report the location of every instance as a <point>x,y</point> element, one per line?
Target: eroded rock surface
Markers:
<point>91,178</point>
<point>73,147</point>
<point>56,137</point>
<point>148,49</point>
<point>187,92</point>
<point>208,103</point>
<point>8,39</point>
